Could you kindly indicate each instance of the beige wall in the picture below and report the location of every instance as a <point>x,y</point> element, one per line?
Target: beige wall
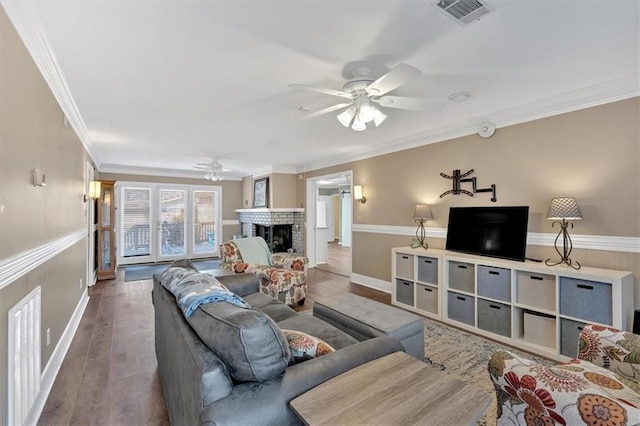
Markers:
<point>33,135</point>
<point>232,193</point>
<point>247,192</point>
<point>283,190</point>
<point>591,154</point>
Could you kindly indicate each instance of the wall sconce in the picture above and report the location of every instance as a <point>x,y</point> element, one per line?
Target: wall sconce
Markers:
<point>421,213</point>
<point>357,194</point>
<point>94,190</point>
<point>39,179</point>
<point>560,210</point>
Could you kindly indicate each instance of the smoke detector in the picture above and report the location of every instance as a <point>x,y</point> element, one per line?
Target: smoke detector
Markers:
<point>463,12</point>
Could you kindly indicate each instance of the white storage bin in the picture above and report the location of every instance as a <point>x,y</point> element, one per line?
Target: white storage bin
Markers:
<point>540,330</point>
<point>404,266</point>
<point>537,290</point>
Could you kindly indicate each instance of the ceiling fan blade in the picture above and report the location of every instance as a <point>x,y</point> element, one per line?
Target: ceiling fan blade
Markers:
<point>395,78</point>
<point>326,110</point>
<point>403,102</point>
<point>202,167</point>
<point>322,90</point>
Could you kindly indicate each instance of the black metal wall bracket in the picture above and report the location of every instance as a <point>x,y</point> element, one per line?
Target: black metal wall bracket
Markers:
<point>458,178</point>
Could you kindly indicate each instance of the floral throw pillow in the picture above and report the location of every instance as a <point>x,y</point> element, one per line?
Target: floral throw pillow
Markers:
<point>304,346</point>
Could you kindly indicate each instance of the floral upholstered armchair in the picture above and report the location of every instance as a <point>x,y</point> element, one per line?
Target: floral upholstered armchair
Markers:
<point>283,276</point>
<point>600,387</point>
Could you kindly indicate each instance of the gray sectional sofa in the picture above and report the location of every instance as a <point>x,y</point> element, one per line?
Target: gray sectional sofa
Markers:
<point>228,365</point>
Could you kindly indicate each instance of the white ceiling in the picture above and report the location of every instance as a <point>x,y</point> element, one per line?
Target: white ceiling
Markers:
<point>160,86</point>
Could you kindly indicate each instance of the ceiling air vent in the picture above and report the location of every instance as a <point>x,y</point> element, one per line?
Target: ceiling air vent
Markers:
<point>463,11</point>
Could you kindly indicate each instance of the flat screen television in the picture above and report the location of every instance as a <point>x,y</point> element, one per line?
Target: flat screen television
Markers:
<point>489,231</point>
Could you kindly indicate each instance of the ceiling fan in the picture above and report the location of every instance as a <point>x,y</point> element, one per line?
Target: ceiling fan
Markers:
<point>363,91</point>
<point>213,168</point>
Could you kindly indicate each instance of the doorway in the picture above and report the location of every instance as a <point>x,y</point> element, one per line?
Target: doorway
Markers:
<point>167,222</point>
<point>329,220</point>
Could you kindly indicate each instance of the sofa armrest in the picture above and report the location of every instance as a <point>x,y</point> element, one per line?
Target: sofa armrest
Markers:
<point>290,261</point>
<point>567,394</point>
<point>619,351</point>
<point>268,402</point>
<point>241,284</point>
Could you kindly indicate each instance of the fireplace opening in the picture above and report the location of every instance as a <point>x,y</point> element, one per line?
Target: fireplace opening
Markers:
<point>278,237</point>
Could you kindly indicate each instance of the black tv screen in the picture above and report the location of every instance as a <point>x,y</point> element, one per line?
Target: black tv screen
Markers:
<point>489,231</point>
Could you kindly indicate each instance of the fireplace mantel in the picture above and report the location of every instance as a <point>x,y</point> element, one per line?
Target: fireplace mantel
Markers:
<point>267,210</point>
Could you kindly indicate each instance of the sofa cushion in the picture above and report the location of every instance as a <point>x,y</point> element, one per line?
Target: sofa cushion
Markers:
<point>249,342</point>
<point>304,346</point>
<point>274,308</point>
<point>309,324</point>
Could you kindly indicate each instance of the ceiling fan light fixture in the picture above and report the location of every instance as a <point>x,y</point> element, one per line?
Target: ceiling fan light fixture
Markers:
<point>346,116</point>
<point>358,125</point>
<point>366,111</point>
<point>379,117</point>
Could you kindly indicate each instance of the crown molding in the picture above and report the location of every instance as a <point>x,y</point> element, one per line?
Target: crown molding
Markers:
<point>263,171</point>
<point>27,24</point>
<point>588,97</point>
<point>153,171</point>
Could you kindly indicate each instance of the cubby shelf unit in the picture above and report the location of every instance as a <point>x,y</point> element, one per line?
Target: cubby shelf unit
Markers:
<point>524,304</point>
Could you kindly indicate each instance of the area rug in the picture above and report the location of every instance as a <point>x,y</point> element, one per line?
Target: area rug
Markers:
<point>465,357</point>
<point>145,272</point>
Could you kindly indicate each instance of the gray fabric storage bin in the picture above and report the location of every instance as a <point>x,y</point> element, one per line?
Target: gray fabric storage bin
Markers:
<point>428,270</point>
<point>404,266</point>
<point>404,291</point>
<point>588,300</point>
<point>494,283</point>
<point>461,276</point>
<point>461,307</point>
<point>569,337</point>
<point>427,298</point>
<point>494,317</point>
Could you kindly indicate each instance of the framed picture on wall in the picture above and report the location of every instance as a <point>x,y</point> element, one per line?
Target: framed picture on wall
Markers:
<point>261,192</point>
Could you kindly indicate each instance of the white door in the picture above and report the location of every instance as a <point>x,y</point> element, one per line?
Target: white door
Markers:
<point>167,222</point>
<point>171,223</point>
<point>206,232</point>
<point>135,217</point>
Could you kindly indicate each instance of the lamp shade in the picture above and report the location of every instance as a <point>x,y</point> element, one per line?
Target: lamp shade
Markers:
<point>423,211</point>
<point>564,208</point>
<point>94,189</point>
<point>357,192</point>
<point>346,116</point>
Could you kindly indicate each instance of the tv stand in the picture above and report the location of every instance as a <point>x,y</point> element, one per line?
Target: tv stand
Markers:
<point>523,304</point>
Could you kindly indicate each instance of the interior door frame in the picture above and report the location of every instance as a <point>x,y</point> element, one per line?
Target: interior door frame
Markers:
<point>310,219</point>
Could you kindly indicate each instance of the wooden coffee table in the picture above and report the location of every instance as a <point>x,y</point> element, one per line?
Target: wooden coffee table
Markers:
<point>396,390</point>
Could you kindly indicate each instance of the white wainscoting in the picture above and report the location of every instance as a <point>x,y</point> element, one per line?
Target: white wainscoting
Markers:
<point>20,264</point>
<point>588,242</point>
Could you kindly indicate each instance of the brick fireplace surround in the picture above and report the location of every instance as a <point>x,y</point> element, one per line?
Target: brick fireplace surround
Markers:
<point>248,218</point>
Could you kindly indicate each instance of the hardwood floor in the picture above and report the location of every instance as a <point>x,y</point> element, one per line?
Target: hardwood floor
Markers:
<point>338,259</point>
<point>109,375</point>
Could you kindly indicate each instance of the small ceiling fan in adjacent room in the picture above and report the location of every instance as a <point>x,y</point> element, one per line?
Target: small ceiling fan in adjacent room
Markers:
<point>364,90</point>
<point>213,170</point>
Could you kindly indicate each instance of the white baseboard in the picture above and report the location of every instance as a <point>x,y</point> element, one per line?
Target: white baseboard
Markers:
<point>370,282</point>
<point>50,372</point>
